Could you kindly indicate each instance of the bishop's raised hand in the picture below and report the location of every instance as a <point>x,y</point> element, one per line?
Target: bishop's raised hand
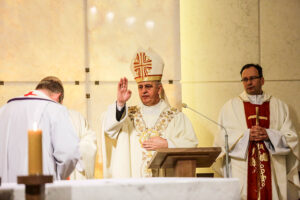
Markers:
<point>123,93</point>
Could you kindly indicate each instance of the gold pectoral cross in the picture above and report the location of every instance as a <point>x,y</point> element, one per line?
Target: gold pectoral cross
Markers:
<point>257,117</point>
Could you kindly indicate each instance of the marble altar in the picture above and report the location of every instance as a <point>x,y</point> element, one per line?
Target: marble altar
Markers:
<point>146,189</point>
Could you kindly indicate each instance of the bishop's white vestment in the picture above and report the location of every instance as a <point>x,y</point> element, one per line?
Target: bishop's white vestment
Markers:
<point>282,145</point>
<point>123,155</point>
<point>59,140</point>
<point>87,147</point>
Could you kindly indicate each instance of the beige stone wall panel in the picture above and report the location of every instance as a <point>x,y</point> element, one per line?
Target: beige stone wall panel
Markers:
<point>208,99</point>
<point>41,38</point>
<point>287,91</point>
<point>118,28</point>
<point>217,38</point>
<point>75,98</point>
<point>12,90</point>
<point>280,39</point>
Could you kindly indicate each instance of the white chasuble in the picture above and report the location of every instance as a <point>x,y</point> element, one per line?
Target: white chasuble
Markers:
<point>59,140</point>
<point>123,155</point>
<point>282,145</point>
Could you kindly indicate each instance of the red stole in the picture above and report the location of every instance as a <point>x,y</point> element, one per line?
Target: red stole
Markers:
<point>259,164</point>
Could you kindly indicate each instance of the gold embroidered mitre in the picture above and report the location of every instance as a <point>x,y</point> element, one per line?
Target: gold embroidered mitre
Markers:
<point>147,66</point>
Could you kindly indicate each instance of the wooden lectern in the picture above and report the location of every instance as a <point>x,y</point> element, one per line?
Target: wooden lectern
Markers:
<point>184,161</point>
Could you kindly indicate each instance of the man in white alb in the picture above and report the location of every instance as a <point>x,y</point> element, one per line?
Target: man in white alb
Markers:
<point>60,143</point>
<point>263,143</point>
<point>132,134</point>
<point>87,144</point>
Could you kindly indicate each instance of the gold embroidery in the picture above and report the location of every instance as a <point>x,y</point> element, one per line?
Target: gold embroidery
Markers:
<point>132,110</point>
<point>145,133</point>
<point>174,109</point>
<point>253,151</point>
<point>253,162</point>
<point>263,157</point>
<point>261,146</point>
<point>260,117</point>
<point>263,177</point>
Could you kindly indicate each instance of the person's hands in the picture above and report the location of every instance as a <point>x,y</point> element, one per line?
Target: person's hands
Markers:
<point>258,133</point>
<point>155,143</point>
<point>123,93</point>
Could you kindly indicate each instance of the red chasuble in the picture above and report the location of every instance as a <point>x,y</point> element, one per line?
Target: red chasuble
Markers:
<point>259,164</point>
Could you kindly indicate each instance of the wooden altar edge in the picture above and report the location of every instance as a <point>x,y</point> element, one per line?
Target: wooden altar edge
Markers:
<point>167,158</point>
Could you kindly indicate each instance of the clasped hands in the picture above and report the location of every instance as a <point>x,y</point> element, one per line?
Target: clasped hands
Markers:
<point>155,143</point>
<point>258,133</point>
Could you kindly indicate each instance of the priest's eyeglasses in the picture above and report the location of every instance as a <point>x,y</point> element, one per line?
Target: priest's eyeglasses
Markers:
<point>251,78</point>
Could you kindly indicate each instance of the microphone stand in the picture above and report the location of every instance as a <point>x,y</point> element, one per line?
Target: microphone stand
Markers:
<point>226,137</point>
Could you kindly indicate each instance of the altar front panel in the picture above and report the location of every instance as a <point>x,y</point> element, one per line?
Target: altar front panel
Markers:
<point>127,189</point>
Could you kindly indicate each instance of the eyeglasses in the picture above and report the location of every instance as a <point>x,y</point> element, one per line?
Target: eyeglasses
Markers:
<point>251,78</point>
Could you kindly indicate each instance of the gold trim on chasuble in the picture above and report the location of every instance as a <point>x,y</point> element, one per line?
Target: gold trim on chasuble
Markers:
<point>146,133</point>
<point>259,183</point>
<point>262,157</point>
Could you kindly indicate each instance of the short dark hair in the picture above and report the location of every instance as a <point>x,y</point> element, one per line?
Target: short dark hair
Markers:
<point>53,84</point>
<point>256,66</point>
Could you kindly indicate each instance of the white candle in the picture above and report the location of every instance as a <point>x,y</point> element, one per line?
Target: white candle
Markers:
<point>35,158</point>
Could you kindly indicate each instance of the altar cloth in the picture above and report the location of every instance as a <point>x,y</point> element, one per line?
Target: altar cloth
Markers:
<point>143,188</point>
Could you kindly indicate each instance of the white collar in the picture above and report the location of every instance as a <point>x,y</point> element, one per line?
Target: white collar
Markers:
<point>36,94</point>
<point>152,109</point>
<point>255,99</point>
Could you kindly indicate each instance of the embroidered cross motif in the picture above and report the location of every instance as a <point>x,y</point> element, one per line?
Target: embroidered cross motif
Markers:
<point>257,117</point>
<point>142,65</point>
<point>260,117</point>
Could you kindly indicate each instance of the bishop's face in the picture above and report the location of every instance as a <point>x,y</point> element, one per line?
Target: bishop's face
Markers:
<point>252,81</point>
<point>149,92</point>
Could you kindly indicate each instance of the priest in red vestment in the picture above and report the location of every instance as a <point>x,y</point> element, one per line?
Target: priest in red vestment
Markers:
<point>263,144</point>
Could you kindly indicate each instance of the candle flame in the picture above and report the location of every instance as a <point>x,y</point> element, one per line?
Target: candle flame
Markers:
<point>35,126</point>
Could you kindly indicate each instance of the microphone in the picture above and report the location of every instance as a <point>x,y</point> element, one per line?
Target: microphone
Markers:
<point>226,136</point>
